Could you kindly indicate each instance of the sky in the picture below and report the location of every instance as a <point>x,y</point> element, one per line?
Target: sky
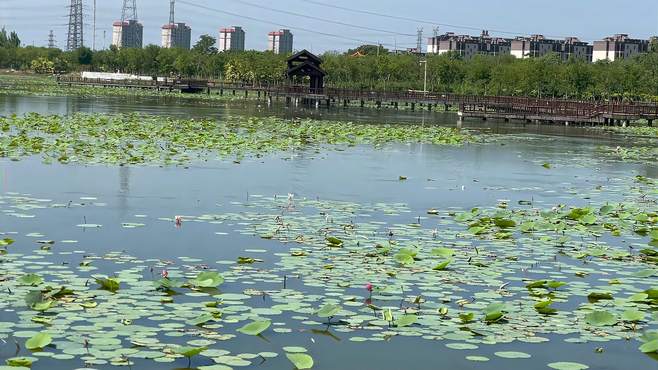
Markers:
<point>320,28</point>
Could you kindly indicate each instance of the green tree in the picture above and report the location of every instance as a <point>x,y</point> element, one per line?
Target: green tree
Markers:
<point>42,65</point>
<point>368,50</point>
<point>11,41</point>
<point>84,56</point>
<point>653,45</point>
<point>205,45</point>
<point>61,65</point>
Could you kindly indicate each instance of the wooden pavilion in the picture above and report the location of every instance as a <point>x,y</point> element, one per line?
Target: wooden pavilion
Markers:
<point>305,64</point>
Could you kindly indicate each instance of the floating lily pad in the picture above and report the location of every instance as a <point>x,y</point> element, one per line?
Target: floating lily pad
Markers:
<point>567,366</point>
<point>40,340</point>
<point>255,328</point>
<point>300,360</point>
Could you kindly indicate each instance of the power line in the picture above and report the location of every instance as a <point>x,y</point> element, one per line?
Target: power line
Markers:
<point>352,25</point>
<point>414,20</point>
<point>279,24</point>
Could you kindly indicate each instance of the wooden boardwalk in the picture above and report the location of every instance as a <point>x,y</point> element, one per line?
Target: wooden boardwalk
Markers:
<point>169,84</point>
<point>481,107</point>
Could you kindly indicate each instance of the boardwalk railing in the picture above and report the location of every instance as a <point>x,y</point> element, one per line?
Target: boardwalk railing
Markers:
<point>503,106</point>
<point>173,83</point>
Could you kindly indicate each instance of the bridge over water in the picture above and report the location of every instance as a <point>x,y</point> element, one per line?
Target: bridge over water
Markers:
<point>468,106</point>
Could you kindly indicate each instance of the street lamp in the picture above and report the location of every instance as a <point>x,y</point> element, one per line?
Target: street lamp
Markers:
<point>425,80</point>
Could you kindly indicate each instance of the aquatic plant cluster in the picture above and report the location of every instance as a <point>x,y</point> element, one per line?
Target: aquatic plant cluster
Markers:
<point>528,272</point>
<point>140,139</point>
<point>47,86</point>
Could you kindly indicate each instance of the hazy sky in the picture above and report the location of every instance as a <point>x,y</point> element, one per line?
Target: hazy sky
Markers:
<point>587,19</point>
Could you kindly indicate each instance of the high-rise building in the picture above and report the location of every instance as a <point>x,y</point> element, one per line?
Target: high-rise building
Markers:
<point>468,46</point>
<point>280,42</point>
<point>617,47</point>
<point>127,34</point>
<point>231,39</point>
<point>176,35</point>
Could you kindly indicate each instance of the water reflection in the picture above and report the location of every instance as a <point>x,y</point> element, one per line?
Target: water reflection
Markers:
<point>124,189</point>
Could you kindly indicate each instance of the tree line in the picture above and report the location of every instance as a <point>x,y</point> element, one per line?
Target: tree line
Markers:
<point>366,67</point>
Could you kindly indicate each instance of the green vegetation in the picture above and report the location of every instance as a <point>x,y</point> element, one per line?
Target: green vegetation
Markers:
<point>479,302</point>
<point>10,41</point>
<point>135,139</point>
<point>372,68</point>
<point>28,85</point>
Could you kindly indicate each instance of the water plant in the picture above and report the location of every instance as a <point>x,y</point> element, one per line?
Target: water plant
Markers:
<point>139,139</point>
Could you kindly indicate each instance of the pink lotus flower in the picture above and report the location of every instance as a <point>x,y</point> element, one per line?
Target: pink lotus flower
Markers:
<point>165,274</point>
<point>369,287</point>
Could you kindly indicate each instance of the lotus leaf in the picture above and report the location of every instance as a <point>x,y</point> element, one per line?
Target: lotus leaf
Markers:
<point>40,340</point>
<point>301,361</point>
<point>255,327</point>
<point>207,279</point>
<point>328,310</point>
<point>600,318</point>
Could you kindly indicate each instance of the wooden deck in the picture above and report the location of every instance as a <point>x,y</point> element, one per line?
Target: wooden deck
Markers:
<point>169,84</point>
<point>480,107</point>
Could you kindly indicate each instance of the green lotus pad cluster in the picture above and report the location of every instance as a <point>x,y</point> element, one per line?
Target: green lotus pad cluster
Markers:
<point>468,279</point>
<point>140,139</point>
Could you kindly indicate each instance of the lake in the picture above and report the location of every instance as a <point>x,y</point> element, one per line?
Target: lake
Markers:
<point>278,209</point>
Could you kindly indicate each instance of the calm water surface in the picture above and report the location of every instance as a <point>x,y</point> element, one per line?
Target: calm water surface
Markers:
<point>439,177</point>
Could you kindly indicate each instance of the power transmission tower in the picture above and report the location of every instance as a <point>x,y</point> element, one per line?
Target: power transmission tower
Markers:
<point>51,40</point>
<point>419,43</point>
<point>172,6</point>
<point>93,42</point>
<point>75,37</point>
<point>129,12</point>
